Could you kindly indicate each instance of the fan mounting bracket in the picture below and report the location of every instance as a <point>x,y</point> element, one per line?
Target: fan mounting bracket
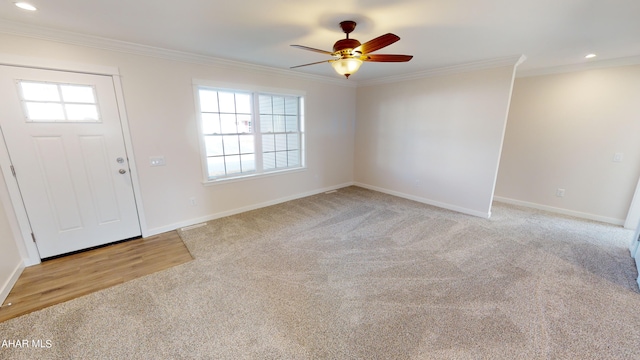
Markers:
<point>348,26</point>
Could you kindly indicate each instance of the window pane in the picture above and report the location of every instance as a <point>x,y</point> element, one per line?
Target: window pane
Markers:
<point>231,145</point>
<point>293,142</point>
<point>268,143</point>
<point>227,102</point>
<point>291,105</point>
<point>213,145</point>
<point>215,166</point>
<point>244,123</point>
<point>228,127</point>
<point>77,94</point>
<point>281,159</point>
<point>281,142</point>
<point>228,122</point>
<point>77,112</point>
<point>44,111</point>
<point>233,164</point>
<point>243,103</point>
<point>293,157</point>
<point>265,104</point>
<point>278,105</point>
<point>248,162</point>
<point>246,144</point>
<point>210,124</point>
<point>208,100</point>
<point>278,123</point>
<point>266,123</point>
<point>269,161</point>
<point>39,91</point>
<point>291,123</point>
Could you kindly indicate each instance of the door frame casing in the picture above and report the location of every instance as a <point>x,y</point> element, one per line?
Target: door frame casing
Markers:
<point>23,238</point>
<point>633,216</point>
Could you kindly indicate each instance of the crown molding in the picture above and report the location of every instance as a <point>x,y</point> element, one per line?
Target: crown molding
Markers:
<point>587,65</point>
<point>74,38</point>
<point>514,60</point>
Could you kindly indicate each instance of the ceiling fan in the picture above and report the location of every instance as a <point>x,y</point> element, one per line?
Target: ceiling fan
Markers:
<point>350,53</point>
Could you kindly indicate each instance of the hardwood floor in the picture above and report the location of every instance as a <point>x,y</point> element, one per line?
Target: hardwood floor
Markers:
<point>65,278</point>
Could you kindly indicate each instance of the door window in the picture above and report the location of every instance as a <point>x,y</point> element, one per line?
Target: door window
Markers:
<point>58,102</point>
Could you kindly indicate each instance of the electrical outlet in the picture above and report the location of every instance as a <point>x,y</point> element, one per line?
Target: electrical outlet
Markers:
<point>192,201</point>
<point>560,193</point>
<point>617,157</point>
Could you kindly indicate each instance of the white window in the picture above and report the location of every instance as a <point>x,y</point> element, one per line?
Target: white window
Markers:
<point>248,133</point>
<point>57,102</point>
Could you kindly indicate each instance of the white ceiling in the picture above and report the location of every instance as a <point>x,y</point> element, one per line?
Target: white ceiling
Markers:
<point>439,33</point>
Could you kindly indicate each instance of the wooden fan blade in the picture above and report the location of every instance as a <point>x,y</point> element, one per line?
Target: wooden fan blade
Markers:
<point>312,49</point>
<point>377,43</point>
<point>386,58</point>
<point>319,62</point>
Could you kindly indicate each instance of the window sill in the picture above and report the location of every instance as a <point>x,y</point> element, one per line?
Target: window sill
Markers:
<point>252,176</point>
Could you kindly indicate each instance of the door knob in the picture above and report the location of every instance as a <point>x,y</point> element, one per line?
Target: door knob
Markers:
<point>122,171</point>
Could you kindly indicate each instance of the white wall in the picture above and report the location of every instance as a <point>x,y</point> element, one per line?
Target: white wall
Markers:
<point>563,132</point>
<point>160,106</point>
<point>436,139</point>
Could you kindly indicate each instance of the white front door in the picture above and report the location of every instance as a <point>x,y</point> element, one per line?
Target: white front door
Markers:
<point>64,137</point>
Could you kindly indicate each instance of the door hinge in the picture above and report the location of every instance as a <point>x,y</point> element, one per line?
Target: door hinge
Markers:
<point>33,237</point>
<point>13,171</point>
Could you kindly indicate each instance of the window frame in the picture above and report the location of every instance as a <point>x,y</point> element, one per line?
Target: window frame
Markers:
<point>255,92</point>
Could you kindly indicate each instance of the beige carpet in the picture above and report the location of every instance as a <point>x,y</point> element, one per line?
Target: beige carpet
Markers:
<point>362,275</point>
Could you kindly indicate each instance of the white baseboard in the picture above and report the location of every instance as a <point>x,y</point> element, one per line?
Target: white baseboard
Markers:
<point>562,211</point>
<point>439,204</point>
<point>8,285</point>
<point>186,223</point>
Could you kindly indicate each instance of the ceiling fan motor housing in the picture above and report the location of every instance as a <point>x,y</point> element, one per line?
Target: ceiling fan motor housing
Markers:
<point>345,46</point>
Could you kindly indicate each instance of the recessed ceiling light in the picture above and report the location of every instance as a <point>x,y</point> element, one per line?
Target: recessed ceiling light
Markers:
<point>590,56</point>
<point>25,6</point>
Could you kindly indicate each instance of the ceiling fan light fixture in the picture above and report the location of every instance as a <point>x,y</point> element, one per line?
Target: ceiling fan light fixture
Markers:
<point>346,66</point>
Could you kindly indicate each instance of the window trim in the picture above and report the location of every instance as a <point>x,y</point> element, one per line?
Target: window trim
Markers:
<point>255,91</point>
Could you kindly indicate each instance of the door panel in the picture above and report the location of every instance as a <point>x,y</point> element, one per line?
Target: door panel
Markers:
<point>57,182</point>
<point>96,162</point>
<point>71,163</point>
